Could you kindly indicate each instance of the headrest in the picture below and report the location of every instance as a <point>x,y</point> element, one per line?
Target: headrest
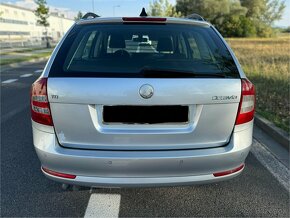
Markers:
<point>165,44</point>
<point>117,41</point>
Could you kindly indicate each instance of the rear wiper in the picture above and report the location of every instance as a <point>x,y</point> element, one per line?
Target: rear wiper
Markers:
<point>171,73</point>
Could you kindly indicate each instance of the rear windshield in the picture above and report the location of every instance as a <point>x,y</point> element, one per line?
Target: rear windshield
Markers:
<point>139,50</point>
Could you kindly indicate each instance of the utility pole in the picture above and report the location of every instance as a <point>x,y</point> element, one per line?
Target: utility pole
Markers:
<point>93,4</point>
<point>115,6</point>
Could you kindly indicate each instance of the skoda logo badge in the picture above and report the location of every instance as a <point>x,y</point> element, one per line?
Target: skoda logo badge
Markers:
<point>146,91</point>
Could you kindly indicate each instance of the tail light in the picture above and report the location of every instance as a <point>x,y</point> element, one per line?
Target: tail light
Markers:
<point>247,104</point>
<point>40,110</point>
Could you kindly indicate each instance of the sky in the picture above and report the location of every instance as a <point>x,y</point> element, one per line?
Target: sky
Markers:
<point>108,8</point>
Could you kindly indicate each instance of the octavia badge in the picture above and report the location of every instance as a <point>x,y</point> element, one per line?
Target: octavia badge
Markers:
<point>146,91</point>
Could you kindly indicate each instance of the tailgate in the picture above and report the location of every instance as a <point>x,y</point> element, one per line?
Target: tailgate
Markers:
<point>110,114</point>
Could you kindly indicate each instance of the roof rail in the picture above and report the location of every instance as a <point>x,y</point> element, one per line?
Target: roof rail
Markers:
<point>90,15</point>
<point>195,17</point>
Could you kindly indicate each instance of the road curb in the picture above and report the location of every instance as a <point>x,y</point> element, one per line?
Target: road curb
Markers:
<point>19,64</point>
<point>279,135</point>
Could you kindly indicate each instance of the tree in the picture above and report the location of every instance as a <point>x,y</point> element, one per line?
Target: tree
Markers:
<point>238,27</point>
<point>255,8</point>
<point>162,8</point>
<point>265,11</point>
<point>210,9</point>
<point>274,11</point>
<point>237,17</point>
<point>287,30</point>
<point>224,14</point>
<point>79,16</point>
<point>42,14</point>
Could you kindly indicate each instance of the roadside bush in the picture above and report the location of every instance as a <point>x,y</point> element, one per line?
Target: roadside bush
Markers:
<point>238,27</point>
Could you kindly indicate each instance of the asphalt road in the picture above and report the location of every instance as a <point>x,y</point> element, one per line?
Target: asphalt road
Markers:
<point>26,192</point>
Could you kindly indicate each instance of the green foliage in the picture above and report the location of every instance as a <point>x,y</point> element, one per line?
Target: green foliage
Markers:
<point>265,11</point>
<point>238,27</point>
<point>25,58</point>
<point>264,30</point>
<point>236,18</point>
<point>247,27</point>
<point>79,16</point>
<point>212,10</point>
<point>42,13</point>
<point>162,8</point>
<point>255,7</point>
<point>287,30</point>
<point>226,15</point>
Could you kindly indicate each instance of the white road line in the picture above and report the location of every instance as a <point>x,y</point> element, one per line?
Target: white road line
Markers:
<point>26,75</point>
<point>275,167</point>
<point>108,205</point>
<point>103,205</point>
<point>38,71</point>
<point>9,81</point>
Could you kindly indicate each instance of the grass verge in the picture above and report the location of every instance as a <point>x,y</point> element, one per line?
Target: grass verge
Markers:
<point>24,50</point>
<point>266,63</point>
<point>22,59</point>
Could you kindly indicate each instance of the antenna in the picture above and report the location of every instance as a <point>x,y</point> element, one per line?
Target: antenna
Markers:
<point>143,13</point>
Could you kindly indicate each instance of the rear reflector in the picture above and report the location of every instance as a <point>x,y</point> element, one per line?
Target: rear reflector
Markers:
<point>40,111</point>
<point>143,19</point>
<point>57,174</point>
<point>247,104</point>
<point>224,173</point>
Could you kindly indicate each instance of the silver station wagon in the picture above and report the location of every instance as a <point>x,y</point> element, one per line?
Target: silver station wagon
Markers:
<point>113,110</point>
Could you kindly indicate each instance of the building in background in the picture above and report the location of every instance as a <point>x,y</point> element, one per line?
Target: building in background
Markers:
<point>18,26</point>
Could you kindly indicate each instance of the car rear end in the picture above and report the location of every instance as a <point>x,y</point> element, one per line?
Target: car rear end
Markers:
<point>108,112</point>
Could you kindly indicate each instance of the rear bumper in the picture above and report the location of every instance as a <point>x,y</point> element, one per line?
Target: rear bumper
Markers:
<point>141,168</point>
<point>110,182</point>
